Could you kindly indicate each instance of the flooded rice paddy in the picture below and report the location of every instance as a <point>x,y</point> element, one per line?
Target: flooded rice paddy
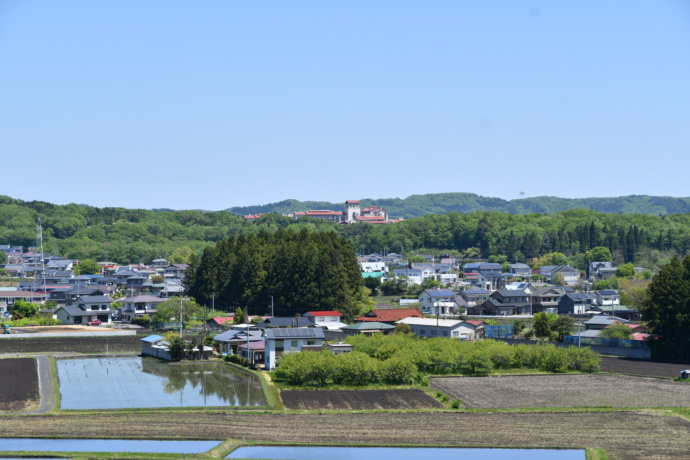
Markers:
<point>135,382</point>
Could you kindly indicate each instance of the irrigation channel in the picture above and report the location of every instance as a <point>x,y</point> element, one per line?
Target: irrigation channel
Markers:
<point>135,382</point>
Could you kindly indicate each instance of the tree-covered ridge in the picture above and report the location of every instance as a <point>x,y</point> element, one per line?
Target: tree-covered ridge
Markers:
<point>441,203</point>
<point>132,235</point>
<point>296,271</point>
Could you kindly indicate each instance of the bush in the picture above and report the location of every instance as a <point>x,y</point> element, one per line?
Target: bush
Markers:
<point>236,359</point>
<point>142,321</point>
<point>455,404</point>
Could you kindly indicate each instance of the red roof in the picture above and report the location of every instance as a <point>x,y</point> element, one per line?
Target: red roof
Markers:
<point>475,322</point>
<point>395,314</point>
<point>223,319</point>
<point>253,216</point>
<point>324,313</point>
<point>352,201</point>
<point>319,213</point>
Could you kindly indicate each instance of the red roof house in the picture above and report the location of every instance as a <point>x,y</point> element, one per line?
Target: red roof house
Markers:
<point>391,316</point>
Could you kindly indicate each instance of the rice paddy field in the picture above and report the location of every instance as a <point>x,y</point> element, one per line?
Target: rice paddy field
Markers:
<point>135,382</point>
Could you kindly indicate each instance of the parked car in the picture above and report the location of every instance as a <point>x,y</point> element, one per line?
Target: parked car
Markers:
<point>96,322</point>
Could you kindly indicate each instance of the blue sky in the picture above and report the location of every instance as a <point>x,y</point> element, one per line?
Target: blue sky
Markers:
<point>208,105</point>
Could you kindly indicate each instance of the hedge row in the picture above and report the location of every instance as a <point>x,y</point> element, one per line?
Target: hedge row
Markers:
<point>404,359</point>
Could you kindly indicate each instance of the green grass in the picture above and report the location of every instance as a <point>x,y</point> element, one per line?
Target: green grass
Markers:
<point>55,382</point>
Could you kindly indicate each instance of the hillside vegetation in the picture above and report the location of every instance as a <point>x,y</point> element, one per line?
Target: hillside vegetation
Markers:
<point>441,203</point>
<point>132,235</point>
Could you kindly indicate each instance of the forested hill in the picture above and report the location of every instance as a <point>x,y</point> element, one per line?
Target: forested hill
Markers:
<point>441,203</point>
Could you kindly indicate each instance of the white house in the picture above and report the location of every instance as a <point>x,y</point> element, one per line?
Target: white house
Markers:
<point>326,319</point>
<point>372,266</point>
<point>433,327</point>
<point>438,302</point>
<point>290,339</point>
<point>138,306</point>
<point>414,275</point>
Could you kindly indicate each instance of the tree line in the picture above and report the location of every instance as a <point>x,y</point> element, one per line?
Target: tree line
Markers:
<point>293,271</point>
<point>135,235</point>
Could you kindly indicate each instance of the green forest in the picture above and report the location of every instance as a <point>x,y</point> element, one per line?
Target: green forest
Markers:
<point>135,235</point>
<point>293,271</point>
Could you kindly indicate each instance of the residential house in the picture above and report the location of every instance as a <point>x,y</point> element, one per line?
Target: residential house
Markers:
<point>339,348</point>
<point>413,275</point>
<point>505,303</point>
<point>229,340</point>
<point>175,271</point>
<point>475,296</point>
<point>438,302</point>
<point>284,322</point>
<point>84,310</point>
<point>138,306</point>
<point>606,298</point>
<point>390,316</point>
<point>219,322</point>
<point>326,319</point>
<point>253,351</point>
<point>546,300</point>
<point>367,328</point>
<point>594,269</point>
<point>520,270</point>
<point>372,266</point>
<point>431,327</point>
<point>284,340</point>
<point>618,310</point>
<point>570,275</point>
<point>575,303</point>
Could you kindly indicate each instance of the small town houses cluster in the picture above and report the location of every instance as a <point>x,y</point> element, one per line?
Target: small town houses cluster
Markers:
<point>477,290</point>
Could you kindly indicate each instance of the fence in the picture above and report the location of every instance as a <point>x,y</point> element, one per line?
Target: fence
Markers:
<point>604,342</point>
<point>498,332</point>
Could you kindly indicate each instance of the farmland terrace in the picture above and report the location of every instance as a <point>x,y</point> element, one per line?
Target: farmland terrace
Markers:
<point>624,435</point>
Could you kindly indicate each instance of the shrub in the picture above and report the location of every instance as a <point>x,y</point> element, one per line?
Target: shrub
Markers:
<point>398,370</point>
<point>455,404</point>
<point>236,359</point>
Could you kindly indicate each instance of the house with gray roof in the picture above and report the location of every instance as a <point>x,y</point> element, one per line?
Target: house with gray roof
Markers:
<point>438,302</point>
<point>576,303</point>
<point>85,309</point>
<point>503,303</point>
<point>278,341</point>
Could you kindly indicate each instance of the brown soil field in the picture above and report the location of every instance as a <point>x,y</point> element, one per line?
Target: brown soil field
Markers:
<point>639,367</point>
<point>571,390</point>
<point>624,435</point>
<point>357,399</point>
<point>116,344</point>
<point>18,384</point>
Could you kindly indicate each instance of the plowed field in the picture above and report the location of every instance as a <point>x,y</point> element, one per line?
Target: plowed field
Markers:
<point>624,435</point>
<point>18,383</point>
<point>639,367</point>
<point>357,399</point>
<point>573,390</point>
<point>115,344</point>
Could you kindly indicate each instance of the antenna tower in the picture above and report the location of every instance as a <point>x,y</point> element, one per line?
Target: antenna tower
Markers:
<point>39,248</point>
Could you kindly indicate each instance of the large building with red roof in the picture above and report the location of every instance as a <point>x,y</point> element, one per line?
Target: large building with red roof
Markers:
<point>390,316</point>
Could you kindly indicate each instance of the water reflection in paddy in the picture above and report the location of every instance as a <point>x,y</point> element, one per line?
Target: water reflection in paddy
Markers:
<point>105,445</point>
<point>135,382</point>
<point>401,453</point>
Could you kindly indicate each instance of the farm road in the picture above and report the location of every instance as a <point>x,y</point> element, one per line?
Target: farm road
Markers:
<point>45,386</point>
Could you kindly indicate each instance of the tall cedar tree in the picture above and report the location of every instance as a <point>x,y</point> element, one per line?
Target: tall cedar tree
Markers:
<point>667,311</point>
<point>300,271</point>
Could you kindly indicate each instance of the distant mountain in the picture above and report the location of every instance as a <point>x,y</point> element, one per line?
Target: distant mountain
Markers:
<point>441,203</point>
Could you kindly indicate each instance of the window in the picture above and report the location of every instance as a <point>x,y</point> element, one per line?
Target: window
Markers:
<point>455,333</point>
<point>311,342</point>
<point>280,345</point>
<point>433,332</point>
<point>293,344</point>
<point>422,332</point>
<point>444,333</point>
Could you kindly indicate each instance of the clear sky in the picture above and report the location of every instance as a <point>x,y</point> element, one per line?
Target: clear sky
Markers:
<point>213,104</point>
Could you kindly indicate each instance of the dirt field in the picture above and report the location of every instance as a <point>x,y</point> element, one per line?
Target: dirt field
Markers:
<point>573,390</point>
<point>357,399</point>
<point>18,384</point>
<point>116,344</point>
<point>639,367</point>
<point>624,435</point>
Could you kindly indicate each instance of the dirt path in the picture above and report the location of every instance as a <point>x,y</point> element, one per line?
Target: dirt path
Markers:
<point>45,386</point>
